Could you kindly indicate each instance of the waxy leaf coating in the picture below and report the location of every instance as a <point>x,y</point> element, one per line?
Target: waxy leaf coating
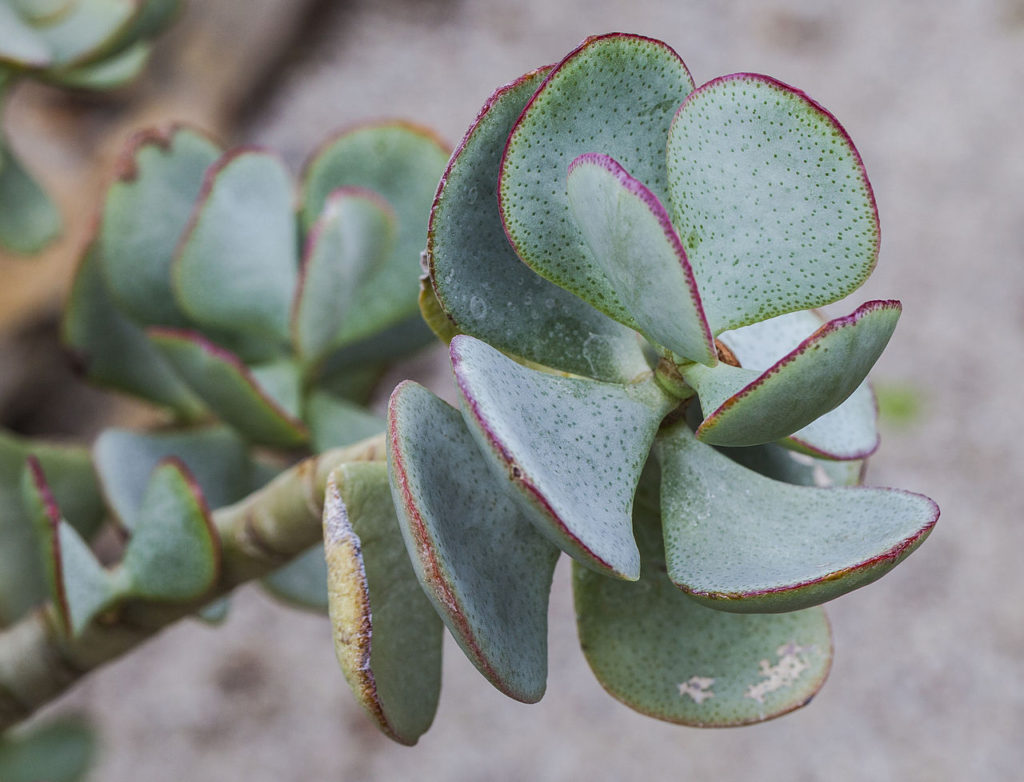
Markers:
<point>387,635</point>
<point>738,541</point>
<point>770,198</point>
<point>480,560</point>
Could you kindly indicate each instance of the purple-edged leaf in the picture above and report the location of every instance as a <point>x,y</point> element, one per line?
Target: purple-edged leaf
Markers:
<point>354,234</point>
<point>737,541</point>
<point>112,351</point>
<point>770,198</point>
<point>482,285</point>
<point>570,449</point>
<point>633,244</point>
<point>231,390</point>
<point>747,407</point>
<point>145,212</point>
<point>214,455</point>
<point>668,657</point>
<point>615,94</point>
<point>387,636</point>
<point>849,431</point>
<point>174,550</point>
<point>78,584</point>
<point>480,560</point>
<point>238,264</point>
<point>401,163</point>
<point>29,220</point>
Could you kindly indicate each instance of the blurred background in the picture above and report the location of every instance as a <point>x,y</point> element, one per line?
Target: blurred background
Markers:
<point>928,681</point>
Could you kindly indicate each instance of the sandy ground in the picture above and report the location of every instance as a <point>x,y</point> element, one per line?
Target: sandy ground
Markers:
<point>928,683</point>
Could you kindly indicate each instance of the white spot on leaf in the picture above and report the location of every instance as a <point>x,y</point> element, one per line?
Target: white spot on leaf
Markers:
<point>698,688</point>
<point>785,672</point>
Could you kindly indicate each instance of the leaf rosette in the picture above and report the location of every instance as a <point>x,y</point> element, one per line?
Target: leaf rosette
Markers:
<point>627,266</point>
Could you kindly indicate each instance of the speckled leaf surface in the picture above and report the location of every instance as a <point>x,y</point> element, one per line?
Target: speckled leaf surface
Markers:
<point>301,583</point>
<point>214,455</point>
<point>78,585</point>
<point>481,561</point>
<point>849,431</point>
<point>387,636</point>
<point>402,163</point>
<point>737,541</point>
<point>238,264</point>
<point>615,94</point>
<point>480,282</point>
<point>228,388</point>
<point>335,422</point>
<point>666,656</point>
<point>174,551</point>
<point>570,449</point>
<point>114,352</point>
<point>633,244</point>
<point>29,219</point>
<point>354,234</point>
<point>745,407</point>
<point>770,198</point>
<point>146,211</point>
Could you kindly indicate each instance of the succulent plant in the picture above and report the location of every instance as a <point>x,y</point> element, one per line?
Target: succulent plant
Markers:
<point>626,267</point>
<point>79,44</point>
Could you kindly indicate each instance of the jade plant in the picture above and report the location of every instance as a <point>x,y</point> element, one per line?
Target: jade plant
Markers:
<point>76,44</point>
<point>626,268</point>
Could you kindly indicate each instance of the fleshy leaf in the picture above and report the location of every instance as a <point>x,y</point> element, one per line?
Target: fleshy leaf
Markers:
<point>482,285</point>
<point>668,657</point>
<point>335,422</point>
<point>615,94</point>
<point>112,351</point>
<point>125,460</point>
<point>238,264</point>
<point>770,198</point>
<point>29,219</point>
<point>57,751</point>
<point>737,541</point>
<point>354,234</point>
<point>88,30</point>
<point>847,432</point>
<point>480,560</point>
<point>633,244</point>
<point>744,407</point>
<point>229,388</point>
<point>109,74</point>
<point>21,45</point>
<point>146,210</point>
<point>79,585</point>
<point>356,361</point>
<point>571,449</point>
<point>782,464</point>
<point>301,583</point>
<point>174,551</point>
<point>401,163</point>
<point>387,635</point>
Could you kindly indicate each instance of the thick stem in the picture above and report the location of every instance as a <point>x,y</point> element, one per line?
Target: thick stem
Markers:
<point>258,535</point>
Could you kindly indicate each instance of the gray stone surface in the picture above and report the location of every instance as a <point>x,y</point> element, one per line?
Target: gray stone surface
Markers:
<point>928,683</point>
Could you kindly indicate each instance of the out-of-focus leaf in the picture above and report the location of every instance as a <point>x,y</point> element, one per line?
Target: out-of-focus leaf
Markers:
<point>335,422</point>
<point>57,751</point>
<point>29,220</point>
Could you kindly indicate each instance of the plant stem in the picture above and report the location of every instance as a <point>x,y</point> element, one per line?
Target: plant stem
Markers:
<point>258,535</point>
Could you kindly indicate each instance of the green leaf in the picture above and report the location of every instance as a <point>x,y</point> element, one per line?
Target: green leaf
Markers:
<point>353,235</point>
<point>782,464</point>
<point>111,351</point>
<point>302,582</point>
<point>615,94</point>
<point>89,30</point>
<point>40,11</point>
<point>482,285</point>
<point>335,422</point>
<point>745,407</point>
<point>387,635</point>
<point>79,586</point>
<point>850,430</point>
<point>238,264</point>
<point>21,45</point>
<point>633,244</point>
<point>737,541</point>
<point>110,74</point>
<point>174,551</point>
<point>480,560</point>
<point>125,460</point>
<point>145,212</point>
<point>29,220</point>
<point>216,612</point>
<point>570,449</point>
<point>229,388</point>
<point>770,198</point>
<point>370,355</point>
<point>401,163</point>
<point>58,751</point>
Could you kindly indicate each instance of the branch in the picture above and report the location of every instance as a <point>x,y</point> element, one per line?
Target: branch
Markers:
<point>258,535</point>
